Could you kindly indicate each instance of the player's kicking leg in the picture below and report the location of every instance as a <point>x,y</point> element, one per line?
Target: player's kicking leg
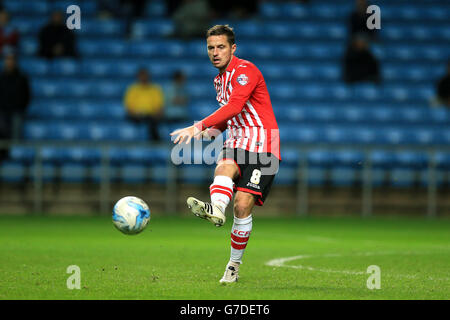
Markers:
<point>221,191</point>
<point>240,234</point>
<point>207,211</point>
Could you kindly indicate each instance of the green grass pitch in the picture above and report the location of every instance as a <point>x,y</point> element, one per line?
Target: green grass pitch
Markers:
<point>184,258</point>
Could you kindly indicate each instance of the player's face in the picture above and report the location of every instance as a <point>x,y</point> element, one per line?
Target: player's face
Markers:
<point>220,51</point>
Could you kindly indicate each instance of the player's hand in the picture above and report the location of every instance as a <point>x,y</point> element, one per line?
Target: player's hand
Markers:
<point>186,134</point>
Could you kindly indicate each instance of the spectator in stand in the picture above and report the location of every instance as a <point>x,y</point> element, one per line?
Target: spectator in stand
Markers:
<point>9,36</point>
<point>172,6</point>
<point>360,65</point>
<point>144,102</point>
<point>14,97</point>
<point>177,99</point>
<point>55,39</point>
<point>234,9</point>
<point>358,20</point>
<point>192,18</point>
<point>443,88</point>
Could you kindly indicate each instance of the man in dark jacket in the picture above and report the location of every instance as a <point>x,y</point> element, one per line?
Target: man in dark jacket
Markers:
<point>443,88</point>
<point>360,65</point>
<point>14,97</point>
<point>55,39</point>
<point>9,36</point>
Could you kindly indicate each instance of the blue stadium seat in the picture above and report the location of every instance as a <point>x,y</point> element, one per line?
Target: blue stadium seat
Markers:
<point>291,133</point>
<point>152,28</point>
<point>36,130</point>
<point>35,66</point>
<point>293,11</point>
<point>201,90</point>
<point>395,136</point>
<point>443,137</point>
<point>48,172</point>
<point>442,178</point>
<point>74,173</point>
<point>343,176</point>
<point>140,155</point>
<point>365,135</point>
<point>155,9</point>
<point>201,110</point>
<point>68,131</point>
<point>335,134</point>
<point>38,7</point>
<point>49,111</point>
<point>317,176</point>
<point>54,155</point>
<point>401,177</point>
<point>97,172</point>
<point>290,157</point>
<point>30,25</point>
<point>91,111</point>
<point>28,46</point>
<point>22,154</point>
<point>290,113</point>
<point>320,158</point>
<point>365,91</point>
<point>270,10</point>
<point>196,48</point>
<point>323,114</point>
<point>443,160</point>
<point>195,174</point>
<point>383,114</point>
<point>424,136</point>
<point>381,159</point>
<point>78,88</point>
<point>354,114</point>
<point>411,159</point>
<point>76,110</point>
<point>87,7</point>
<point>349,158</point>
<point>12,171</point>
<point>111,48</point>
<point>439,115</point>
<point>102,28</point>
<point>65,67</point>
<point>133,173</point>
<point>115,132</point>
<point>286,176</point>
<point>160,173</point>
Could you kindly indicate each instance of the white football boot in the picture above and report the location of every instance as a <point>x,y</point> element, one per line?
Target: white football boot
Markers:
<point>206,211</point>
<point>231,273</point>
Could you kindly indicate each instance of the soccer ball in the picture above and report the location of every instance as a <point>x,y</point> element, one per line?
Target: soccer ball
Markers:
<point>131,215</point>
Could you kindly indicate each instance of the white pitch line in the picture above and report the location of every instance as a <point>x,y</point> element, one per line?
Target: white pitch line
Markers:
<point>281,262</point>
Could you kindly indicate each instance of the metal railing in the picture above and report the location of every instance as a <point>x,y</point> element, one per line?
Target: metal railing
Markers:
<point>302,181</point>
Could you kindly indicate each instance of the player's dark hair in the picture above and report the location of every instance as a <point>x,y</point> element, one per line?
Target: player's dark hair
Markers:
<point>219,30</point>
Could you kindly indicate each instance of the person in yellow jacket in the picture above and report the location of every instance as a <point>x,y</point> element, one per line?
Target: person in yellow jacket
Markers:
<point>144,102</point>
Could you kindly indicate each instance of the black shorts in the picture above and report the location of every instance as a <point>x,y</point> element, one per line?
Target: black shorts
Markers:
<point>256,171</point>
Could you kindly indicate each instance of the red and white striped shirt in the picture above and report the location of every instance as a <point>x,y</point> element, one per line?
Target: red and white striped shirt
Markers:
<point>245,109</point>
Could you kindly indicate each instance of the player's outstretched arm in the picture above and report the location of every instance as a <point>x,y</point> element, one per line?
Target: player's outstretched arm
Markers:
<point>186,134</point>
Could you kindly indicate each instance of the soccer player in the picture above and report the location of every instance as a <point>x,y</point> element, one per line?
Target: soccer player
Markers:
<point>250,156</point>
